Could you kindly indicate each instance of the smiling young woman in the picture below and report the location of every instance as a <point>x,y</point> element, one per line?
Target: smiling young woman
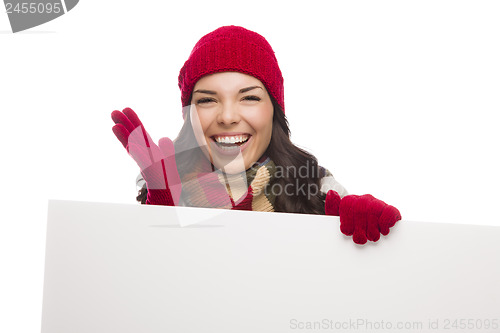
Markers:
<point>234,149</point>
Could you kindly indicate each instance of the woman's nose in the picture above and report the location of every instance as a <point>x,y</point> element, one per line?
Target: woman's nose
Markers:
<point>228,114</point>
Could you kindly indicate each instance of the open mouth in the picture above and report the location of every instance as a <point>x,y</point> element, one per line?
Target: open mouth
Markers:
<point>230,142</point>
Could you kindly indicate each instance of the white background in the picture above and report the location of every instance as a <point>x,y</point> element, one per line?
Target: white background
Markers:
<point>396,98</point>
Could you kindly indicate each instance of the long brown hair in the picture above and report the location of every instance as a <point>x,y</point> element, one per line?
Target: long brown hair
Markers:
<point>284,154</point>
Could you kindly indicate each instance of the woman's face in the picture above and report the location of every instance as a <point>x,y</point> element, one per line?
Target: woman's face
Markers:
<point>233,118</point>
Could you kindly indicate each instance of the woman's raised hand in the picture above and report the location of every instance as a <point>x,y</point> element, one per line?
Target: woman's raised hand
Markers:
<point>156,162</point>
<point>362,216</point>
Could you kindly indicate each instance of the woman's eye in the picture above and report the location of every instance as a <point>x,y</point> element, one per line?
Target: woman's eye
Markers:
<point>208,100</point>
<point>252,98</point>
<point>205,100</point>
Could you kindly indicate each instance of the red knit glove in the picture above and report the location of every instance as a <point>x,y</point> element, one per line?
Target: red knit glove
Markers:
<point>364,217</point>
<point>157,163</point>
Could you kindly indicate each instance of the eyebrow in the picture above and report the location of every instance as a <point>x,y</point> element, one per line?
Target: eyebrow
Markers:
<point>211,92</point>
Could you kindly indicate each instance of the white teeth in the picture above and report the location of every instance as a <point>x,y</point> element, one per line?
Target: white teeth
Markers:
<point>230,147</point>
<point>231,139</point>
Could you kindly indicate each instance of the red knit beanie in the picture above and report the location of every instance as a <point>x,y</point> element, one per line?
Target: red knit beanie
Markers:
<point>232,49</point>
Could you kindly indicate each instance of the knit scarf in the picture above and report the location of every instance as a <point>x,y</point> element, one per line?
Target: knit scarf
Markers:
<point>208,187</point>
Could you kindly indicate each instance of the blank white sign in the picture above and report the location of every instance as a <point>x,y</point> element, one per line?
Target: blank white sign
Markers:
<point>132,268</point>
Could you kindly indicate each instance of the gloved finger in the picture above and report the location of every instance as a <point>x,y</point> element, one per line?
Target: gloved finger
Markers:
<point>346,214</point>
<point>132,116</point>
<point>332,203</point>
<point>375,208</point>
<point>390,215</point>
<point>138,128</point>
<point>119,118</point>
<point>141,138</point>
<point>167,147</point>
<point>168,151</point>
<point>121,133</point>
<point>156,152</point>
<point>360,219</point>
<point>152,166</point>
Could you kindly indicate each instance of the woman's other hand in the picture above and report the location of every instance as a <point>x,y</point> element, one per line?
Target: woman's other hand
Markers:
<point>364,217</point>
<point>156,162</point>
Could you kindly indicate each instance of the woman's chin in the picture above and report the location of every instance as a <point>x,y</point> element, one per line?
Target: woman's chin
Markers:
<point>230,166</point>
<point>229,163</point>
